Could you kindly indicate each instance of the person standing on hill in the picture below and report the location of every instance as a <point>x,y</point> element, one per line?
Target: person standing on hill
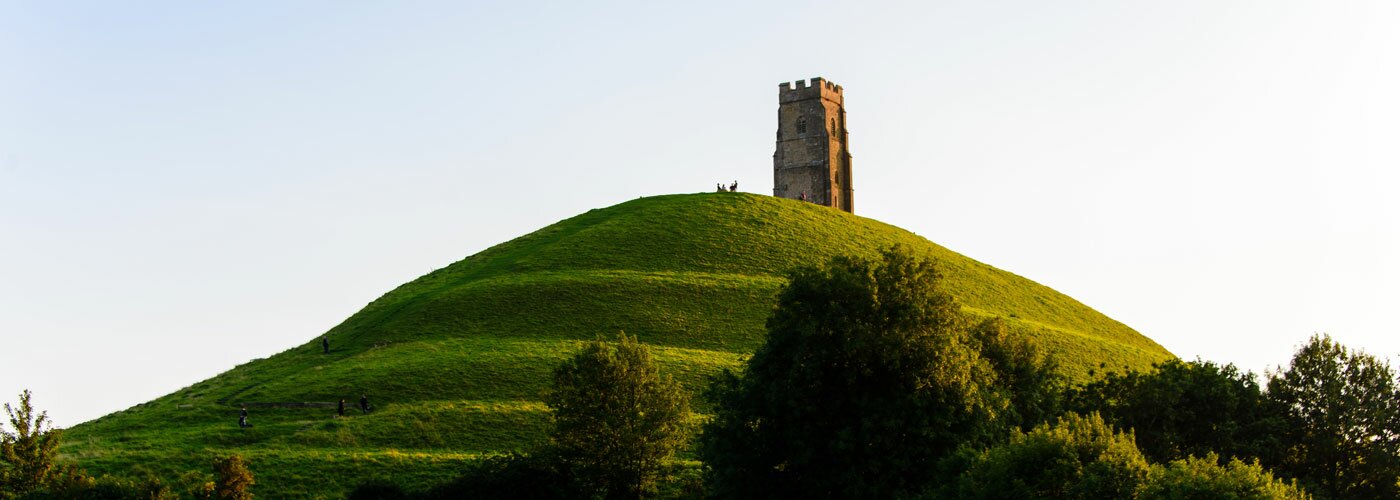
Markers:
<point>325,345</point>
<point>364,404</point>
<point>340,409</point>
<point>243,416</point>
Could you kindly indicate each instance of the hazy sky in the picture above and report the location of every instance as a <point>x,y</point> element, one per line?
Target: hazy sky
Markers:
<point>185,186</point>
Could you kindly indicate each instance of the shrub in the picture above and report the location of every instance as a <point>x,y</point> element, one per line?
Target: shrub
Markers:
<point>1204,478</point>
<point>79,486</point>
<point>232,479</point>
<point>1077,457</point>
<point>510,477</point>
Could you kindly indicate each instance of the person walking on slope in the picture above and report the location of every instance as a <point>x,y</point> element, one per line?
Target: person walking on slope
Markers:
<point>325,345</point>
<point>243,417</point>
<point>340,410</point>
<point>364,404</point>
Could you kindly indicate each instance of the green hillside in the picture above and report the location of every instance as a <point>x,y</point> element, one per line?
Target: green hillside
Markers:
<point>457,361</point>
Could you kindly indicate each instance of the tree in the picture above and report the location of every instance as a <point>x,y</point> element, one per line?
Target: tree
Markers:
<point>1077,457</point>
<point>1181,409</point>
<point>1026,376</point>
<point>616,419</point>
<point>232,479</point>
<point>27,454</point>
<point>1343,421</point>
<point>865,379</point>
<point>1204,477</point>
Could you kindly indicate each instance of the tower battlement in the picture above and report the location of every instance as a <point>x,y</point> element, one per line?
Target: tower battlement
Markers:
<point>811,161</point>
<point>800,90</point>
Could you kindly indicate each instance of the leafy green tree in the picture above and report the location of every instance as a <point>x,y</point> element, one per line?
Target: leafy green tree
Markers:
<point>1205,478</point>
<point>232,479</point>
<point>1343,421</point>
<point>867,377</point>
<point>1025,374</point>
<point>616,419</point>
<point>1181,409</point>
<point>1076,457</point>
<point>27,454</point>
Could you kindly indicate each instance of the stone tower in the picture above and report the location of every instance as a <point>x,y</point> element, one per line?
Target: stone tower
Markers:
<point>812,156</point>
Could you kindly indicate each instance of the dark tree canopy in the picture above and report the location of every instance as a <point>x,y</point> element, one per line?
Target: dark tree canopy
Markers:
<point>616,419</point>
<point>508,477</point>
<point>1025,375</point>
<point>1343,421</point>
<point>866,378</point>
<point>1181,409</point>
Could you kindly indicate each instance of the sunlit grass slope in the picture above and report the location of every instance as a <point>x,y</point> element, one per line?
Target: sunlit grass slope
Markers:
<point>457,361</point>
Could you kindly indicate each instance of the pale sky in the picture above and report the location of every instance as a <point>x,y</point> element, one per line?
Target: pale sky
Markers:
<point>185,186</point>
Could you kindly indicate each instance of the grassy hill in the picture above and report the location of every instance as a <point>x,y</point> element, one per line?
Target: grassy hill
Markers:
<point>457,361</point>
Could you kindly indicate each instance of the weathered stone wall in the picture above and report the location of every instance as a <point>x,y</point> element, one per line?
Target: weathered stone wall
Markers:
<point>811,155</point>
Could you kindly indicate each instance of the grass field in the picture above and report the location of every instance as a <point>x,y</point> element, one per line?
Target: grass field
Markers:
<point>456,361</point>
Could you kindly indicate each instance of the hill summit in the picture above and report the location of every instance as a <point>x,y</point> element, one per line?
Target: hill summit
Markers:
<point>457,361</point>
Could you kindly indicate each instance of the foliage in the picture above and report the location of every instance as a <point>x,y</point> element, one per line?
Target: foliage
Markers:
<point>27,454</point>
<point>111,488</point>
<point>683,480</point>
<point>72,483</point>
<point>616,419</point>
<point>1205,478</point>
<point>1076,457</point>
<point>1025,374</point>
<point>1181,409</point>
<point>232,479</point>
<point>511,476</point>
<point>1343,421</point>
<point>866,377</point>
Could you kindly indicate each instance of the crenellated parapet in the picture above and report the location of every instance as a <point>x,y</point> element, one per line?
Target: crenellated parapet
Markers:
<point>800,90</point>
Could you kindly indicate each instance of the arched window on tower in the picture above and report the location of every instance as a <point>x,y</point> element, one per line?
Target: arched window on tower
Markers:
<point>833,127</point>
<point>801,124</point>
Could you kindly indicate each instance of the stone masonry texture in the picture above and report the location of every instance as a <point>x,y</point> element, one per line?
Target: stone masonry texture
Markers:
<point>812,155</point>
